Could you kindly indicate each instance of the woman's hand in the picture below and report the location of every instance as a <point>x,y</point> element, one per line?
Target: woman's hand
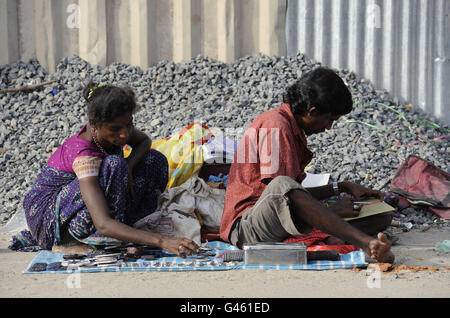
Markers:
<point>179,246</point>
<point>359,192</point>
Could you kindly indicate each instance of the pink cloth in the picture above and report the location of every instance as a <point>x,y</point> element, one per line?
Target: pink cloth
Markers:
<point>73,147</point>
<point>316,237</point>
<point>443,213</point>
<point>420,180</point>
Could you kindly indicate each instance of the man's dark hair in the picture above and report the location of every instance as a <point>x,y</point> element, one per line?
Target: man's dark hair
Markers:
<point>321,88</point>
<point>108,102</point>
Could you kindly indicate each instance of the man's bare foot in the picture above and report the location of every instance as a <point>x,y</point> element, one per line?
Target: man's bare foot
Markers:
<point>380,249</point>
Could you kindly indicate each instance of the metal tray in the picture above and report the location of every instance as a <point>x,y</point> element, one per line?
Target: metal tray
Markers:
<point>275,253</point>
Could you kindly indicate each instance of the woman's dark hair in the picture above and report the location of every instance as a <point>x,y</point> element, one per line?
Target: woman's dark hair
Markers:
<point>106,102</point>
<point>321,88</point>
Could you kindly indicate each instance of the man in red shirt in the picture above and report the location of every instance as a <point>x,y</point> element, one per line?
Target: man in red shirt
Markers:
<point>265,201</point>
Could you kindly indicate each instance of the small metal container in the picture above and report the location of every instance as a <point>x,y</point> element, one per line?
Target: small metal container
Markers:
<point>275,253</point>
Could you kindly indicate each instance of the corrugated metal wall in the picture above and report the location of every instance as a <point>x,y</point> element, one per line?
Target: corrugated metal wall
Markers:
<point>140,32</point>
<point>400,45</point>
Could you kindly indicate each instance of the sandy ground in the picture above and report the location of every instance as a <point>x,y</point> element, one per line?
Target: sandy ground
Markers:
<point>413,249</point>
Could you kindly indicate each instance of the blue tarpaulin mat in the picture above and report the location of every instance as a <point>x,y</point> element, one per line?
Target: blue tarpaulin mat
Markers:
<point>191,263</point>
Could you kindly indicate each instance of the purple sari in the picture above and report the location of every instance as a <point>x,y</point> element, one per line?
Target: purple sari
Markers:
<point>54,204</point>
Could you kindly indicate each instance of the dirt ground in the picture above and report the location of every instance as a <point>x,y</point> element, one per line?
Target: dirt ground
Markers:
<point>414,249</point>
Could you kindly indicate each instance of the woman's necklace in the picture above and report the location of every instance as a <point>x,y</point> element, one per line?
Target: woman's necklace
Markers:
<point>97,143</point>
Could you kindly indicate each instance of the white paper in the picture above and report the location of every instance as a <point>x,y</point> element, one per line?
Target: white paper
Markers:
<point>315,180</point>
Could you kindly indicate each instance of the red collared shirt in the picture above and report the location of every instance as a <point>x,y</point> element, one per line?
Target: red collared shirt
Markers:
<point>272,146</point>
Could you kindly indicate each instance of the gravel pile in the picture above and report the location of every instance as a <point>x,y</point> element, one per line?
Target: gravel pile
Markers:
<point>365,146</point>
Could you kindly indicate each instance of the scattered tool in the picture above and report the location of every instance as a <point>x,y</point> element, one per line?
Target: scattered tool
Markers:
<point>73,256</point>
<point>323,255</point>
<point>233,256</point>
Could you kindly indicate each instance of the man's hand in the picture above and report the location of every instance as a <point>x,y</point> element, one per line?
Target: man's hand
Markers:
<point>345,208</point>
<point>359,192</point>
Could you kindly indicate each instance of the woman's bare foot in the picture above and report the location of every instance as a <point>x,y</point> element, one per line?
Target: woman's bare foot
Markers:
<point>380,249</point>
<point>69,245</point>
<point>72,248</point>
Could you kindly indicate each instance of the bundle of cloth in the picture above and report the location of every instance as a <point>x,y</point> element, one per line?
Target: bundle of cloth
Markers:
<point>420,182</point>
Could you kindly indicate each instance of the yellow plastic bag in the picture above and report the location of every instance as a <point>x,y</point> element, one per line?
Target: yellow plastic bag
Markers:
<point>184,152</point>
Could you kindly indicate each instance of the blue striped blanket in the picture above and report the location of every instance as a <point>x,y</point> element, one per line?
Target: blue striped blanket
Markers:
<point>179,264</point>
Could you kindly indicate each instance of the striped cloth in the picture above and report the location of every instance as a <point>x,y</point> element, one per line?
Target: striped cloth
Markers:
<point>178,264</point>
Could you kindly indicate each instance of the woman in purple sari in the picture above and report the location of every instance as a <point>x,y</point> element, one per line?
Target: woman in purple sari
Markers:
<point>90,192</point>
